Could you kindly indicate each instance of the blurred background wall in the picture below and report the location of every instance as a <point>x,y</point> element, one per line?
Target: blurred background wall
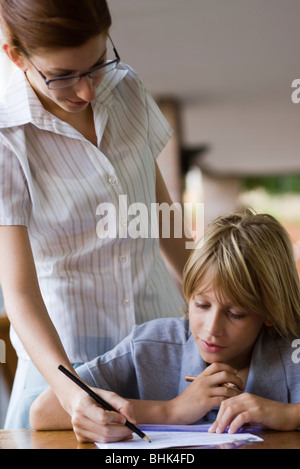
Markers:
<point>222,73</point>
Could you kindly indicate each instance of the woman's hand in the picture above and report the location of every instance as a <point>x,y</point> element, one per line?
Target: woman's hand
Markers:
<point>205,392</point>
<point>89,421</point>
<point>250,409</point>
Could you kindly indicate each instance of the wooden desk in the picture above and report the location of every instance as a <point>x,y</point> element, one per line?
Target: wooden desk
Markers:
<point>27,439</point>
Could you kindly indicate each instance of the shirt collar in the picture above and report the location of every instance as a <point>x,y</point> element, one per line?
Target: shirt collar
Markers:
<point>267,374</point>
<point>22,106</point>
<point>104,91</point>
<point>15,108</point>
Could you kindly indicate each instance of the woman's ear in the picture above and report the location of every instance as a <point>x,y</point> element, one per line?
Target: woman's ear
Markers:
<point>268,324</point>
<point>15,56</point>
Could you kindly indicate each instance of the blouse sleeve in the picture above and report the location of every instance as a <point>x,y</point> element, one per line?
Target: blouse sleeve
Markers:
<point>15,204</point>
<point>159,131</point>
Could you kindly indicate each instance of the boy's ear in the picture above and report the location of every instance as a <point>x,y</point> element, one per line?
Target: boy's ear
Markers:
<point>15,56</point>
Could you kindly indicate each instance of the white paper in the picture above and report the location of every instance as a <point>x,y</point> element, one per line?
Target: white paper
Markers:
<point>177,438</point>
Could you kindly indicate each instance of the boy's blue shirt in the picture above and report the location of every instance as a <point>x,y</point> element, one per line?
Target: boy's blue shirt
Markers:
<point>152,362</point>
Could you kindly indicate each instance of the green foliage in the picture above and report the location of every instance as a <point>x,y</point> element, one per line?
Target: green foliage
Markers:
<point>274,184</point>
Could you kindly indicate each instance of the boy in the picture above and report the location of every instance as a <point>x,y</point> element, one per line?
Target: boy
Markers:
<point>243,296</point>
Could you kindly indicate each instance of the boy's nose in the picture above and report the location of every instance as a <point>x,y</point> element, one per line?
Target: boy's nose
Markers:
<point>214,325</point>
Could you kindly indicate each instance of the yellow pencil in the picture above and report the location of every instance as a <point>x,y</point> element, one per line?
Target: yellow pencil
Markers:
<point>190,379</point>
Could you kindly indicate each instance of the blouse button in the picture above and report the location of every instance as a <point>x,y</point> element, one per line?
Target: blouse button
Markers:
<point>112,180</point>
<point>126,302</point>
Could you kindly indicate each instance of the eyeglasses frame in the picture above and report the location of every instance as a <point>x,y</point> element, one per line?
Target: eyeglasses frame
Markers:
<point>80,75</point>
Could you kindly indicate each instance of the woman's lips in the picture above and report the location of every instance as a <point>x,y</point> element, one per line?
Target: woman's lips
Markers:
<point>77,103</point>
<point>210,347</point>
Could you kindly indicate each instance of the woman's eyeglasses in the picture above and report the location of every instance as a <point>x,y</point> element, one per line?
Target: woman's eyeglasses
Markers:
<point>71,80</point>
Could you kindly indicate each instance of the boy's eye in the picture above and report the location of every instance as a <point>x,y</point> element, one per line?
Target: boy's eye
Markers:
<point>234,315</point>
<point>202,305</point>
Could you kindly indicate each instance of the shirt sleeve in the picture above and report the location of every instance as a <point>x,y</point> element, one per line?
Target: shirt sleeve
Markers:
<point>159,130</point>
<point>15,204</point>
<point>113,371</point>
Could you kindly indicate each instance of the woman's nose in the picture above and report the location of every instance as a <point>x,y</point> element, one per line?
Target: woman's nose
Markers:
<point>85,89</point>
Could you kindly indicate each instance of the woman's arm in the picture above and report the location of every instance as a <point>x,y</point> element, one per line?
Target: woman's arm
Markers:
<point>24,304</point>
<point>27,313</point>
<point>174,248</point>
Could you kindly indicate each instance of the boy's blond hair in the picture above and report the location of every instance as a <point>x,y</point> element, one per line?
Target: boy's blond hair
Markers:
<point>249,259</point>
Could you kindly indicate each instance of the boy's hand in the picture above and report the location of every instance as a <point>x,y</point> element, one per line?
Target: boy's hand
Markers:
<point>205,393</point>
<point>250,409</point>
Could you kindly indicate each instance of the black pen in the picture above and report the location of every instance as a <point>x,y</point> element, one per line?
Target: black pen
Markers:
<point>101,401</point>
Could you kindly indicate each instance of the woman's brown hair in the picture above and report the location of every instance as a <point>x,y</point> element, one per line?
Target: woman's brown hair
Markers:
<point>33,25</point>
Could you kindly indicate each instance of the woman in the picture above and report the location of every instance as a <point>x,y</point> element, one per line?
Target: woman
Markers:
<point>78,130</point>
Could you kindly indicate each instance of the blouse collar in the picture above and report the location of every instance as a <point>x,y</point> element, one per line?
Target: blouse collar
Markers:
<point>22,106</point>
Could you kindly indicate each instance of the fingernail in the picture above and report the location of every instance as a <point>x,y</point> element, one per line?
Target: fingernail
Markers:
<point>212,428</point>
